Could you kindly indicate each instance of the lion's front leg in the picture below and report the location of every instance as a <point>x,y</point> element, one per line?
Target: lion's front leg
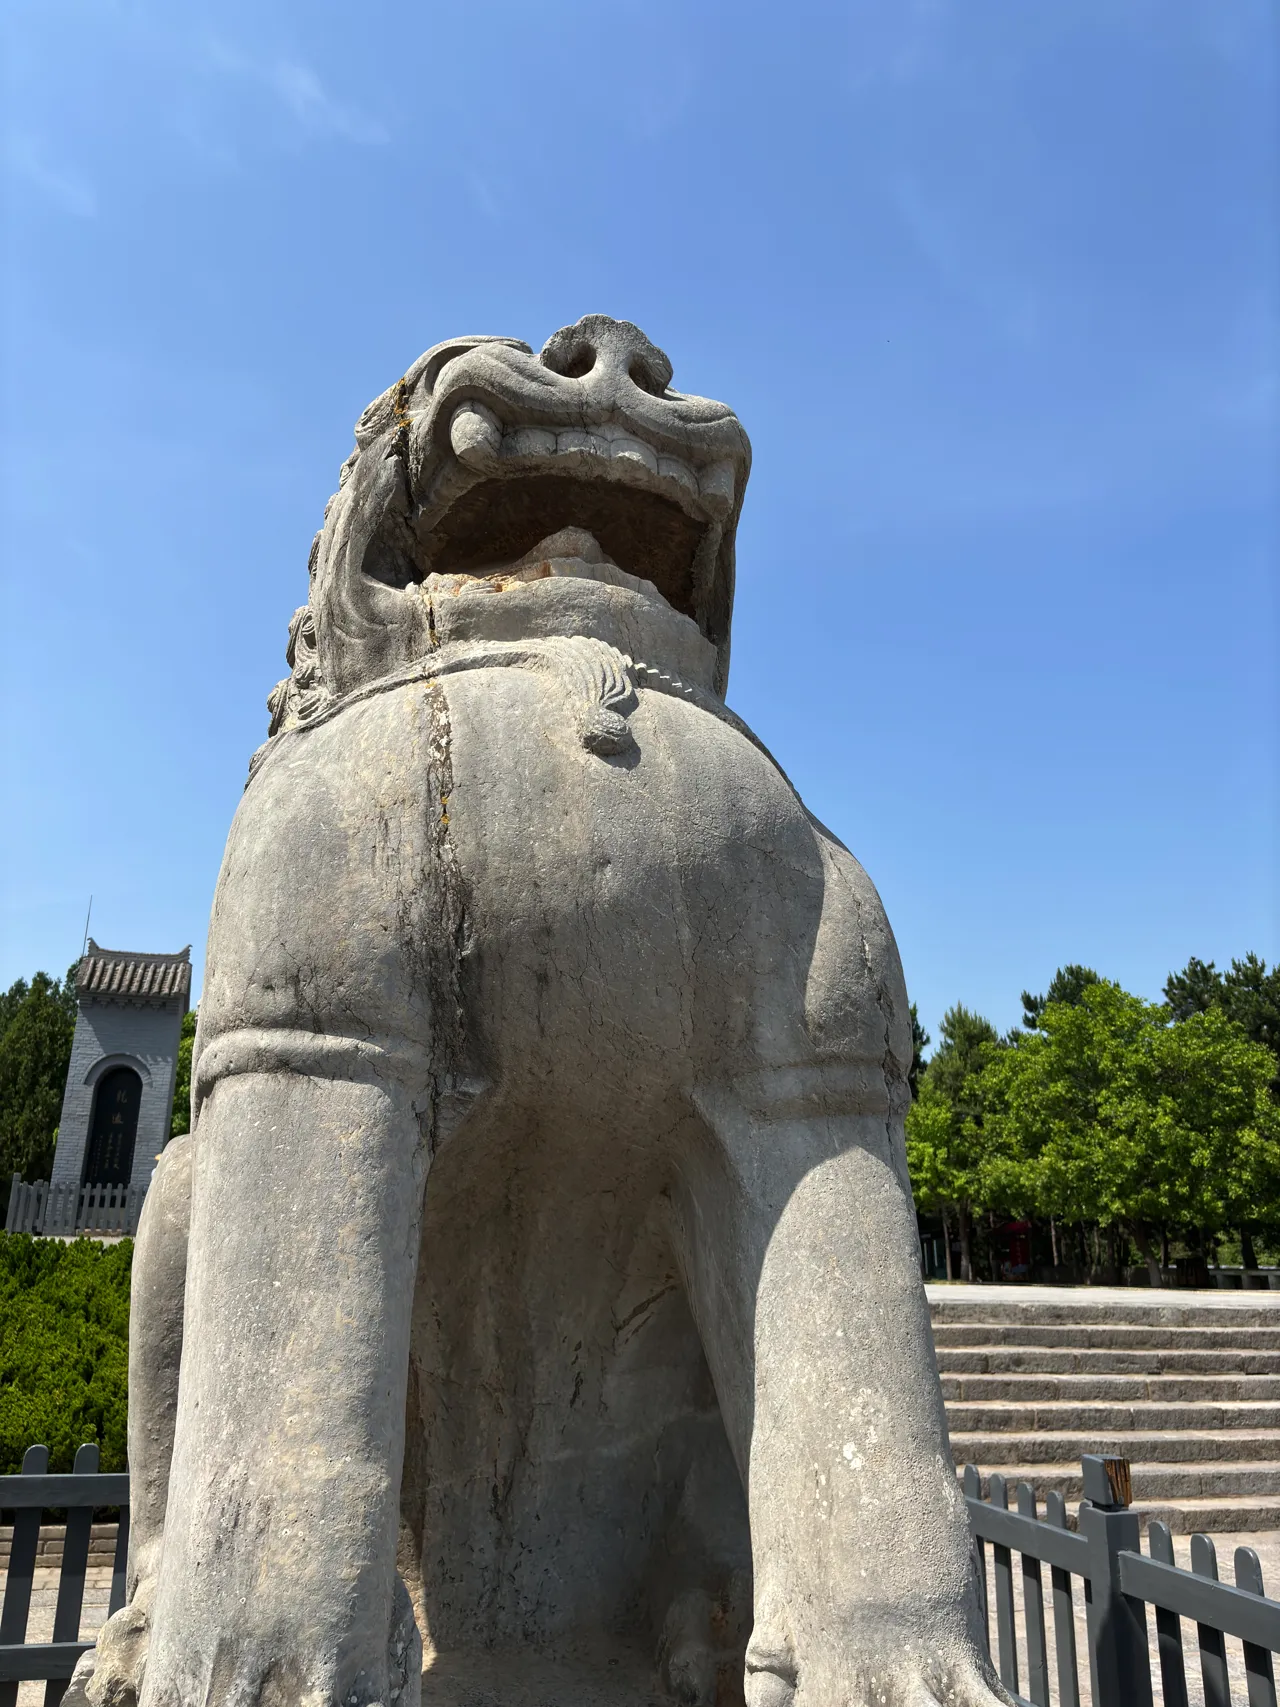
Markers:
<point>155,1351</point>
<point>277,1578</point>
<point>807,1291</point>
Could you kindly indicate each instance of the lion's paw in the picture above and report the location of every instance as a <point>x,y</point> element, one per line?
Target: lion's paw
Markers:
<point>120,1658</point>
<point>860,1677</point>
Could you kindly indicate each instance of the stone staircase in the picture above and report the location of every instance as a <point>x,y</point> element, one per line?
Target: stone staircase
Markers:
<point>1186,1385</point>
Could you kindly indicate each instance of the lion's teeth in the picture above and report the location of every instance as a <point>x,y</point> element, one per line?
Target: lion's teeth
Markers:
<point>530,441</point>
<point>716,484</point>
<point>574,439</point>
<point>675,468</point>
<point>636,452</point>
<point>475,434</point>
<point>478,439</point>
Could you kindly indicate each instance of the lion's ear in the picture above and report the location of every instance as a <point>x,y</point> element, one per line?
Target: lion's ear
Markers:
<point>302,628</point>
<point>278,705</point>
<point>387,411</point>
<point>425,371</point>
<point>378,418</point>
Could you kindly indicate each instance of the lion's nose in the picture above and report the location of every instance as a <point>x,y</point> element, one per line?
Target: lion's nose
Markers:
<point>609,351</point>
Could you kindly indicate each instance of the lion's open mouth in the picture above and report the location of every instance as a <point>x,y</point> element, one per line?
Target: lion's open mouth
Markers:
<point>497,491</point>
<point>500,520</point>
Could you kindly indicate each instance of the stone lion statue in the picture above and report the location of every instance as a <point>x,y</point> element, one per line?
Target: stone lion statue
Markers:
<point>537,1292</point>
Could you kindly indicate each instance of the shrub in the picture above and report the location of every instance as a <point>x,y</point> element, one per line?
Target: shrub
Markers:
<point>64,1348</point>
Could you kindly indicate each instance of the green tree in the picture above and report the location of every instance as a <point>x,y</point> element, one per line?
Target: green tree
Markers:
<point>35,1052</point>
<point>1194,990</point>
<point>949,1161</point>
<point>1247,994</point>
<point>181,1120</point>
<point>10,1001</point>
<point>1068,984</point>
<point>919,1043</point>
<point>1116,1114</point>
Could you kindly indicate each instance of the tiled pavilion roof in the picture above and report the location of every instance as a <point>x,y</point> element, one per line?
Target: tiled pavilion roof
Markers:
<point>118,975</point>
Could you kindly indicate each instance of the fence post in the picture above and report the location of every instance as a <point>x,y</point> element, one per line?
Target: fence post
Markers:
<point>23,1545</point>
<point>11,1219</point>
<point>1119,1662</point>
<point>1259,1673</point>
<point>973,1491</point>
<point>75,1559</point>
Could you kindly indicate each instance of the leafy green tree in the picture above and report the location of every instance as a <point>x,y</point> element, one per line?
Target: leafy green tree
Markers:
<point>181,1120</point>
<point>1247,994</point>
<point>950,1165</point>
<point>1068,984</point>
<point>35,1052</point>
<point>1111,1113</point>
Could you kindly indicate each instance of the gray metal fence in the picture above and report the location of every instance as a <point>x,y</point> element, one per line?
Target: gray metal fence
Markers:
<point>1119,1582</point>
<point>28,1496</point>
<point>66,1209</point>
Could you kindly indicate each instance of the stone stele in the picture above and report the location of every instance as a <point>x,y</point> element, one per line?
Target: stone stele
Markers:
<point>533,1315</point>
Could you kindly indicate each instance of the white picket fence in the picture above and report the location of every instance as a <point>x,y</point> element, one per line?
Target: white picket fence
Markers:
<point>67,1209</point>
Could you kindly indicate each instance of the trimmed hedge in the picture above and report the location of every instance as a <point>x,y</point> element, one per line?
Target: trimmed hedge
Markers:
<point>64,1348</point>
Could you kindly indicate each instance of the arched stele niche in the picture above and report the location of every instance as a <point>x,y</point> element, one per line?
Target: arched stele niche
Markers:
<point>113,1130</point>
<point>105,1062</point>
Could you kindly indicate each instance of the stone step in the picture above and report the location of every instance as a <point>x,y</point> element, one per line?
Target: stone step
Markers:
<point>1246,1511</point>
<point>992,1450</point>
<point>1053,1360</point>
<point>1186,1387</point>
<point>1207,1480</point>
<point>1107,1335</point>
<point>1073,1388</point>
<point>1070,1306</point>
<point>1212,1517</point>
<point>1081,1416</point>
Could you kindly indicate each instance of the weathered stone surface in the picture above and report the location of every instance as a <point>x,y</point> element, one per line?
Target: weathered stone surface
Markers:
<point>550,1261</point>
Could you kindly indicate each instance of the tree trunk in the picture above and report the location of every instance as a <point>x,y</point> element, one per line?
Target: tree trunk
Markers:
<point>993,1248</point>
<point>1142,1239</point>
<point>1053,1239</point>
<point>1248,1256</point>
<point>1164,1244</point>
<point>966,1254</point>
<point>946,1240</point>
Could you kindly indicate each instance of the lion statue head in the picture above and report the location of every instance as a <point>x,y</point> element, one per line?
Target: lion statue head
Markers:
<point>484,453</point>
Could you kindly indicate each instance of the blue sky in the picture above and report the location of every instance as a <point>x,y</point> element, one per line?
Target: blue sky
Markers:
<point>993,286</point>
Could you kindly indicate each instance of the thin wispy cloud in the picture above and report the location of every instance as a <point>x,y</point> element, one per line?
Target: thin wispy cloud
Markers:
<point>27,161</point>
<point>299,93</point>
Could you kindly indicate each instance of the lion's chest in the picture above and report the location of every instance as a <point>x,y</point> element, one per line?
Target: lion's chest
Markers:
<point>665,900</point>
